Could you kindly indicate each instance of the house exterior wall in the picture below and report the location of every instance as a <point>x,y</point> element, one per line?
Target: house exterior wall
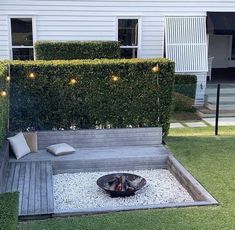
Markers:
<point>96,20</point>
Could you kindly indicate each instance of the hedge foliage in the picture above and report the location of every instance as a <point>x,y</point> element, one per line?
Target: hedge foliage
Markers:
<point>49,101</point>
<point>9,203</point>
<point>77,50</point>
<point>3,100</point>
<point>182,103</point>
<point>186,84</point>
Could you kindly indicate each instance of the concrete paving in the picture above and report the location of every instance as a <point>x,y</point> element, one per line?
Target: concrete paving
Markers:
<point>196,124</point>
<point>223,121</point>
<point>176,125</point>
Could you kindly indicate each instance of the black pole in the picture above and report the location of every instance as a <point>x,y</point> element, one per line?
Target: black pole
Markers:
<point>217,110</point>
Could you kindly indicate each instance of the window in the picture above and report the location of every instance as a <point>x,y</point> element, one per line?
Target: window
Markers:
<point>22,39</point>
<point>128,37</point>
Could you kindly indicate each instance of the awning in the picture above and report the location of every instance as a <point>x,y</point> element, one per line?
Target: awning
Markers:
<point>221,23</point>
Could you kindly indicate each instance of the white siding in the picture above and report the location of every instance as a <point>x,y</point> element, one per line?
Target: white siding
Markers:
<point>95,20</point>
<point>4,40</point>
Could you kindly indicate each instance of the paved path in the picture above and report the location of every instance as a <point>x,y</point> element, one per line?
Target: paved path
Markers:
<point>223,121</point>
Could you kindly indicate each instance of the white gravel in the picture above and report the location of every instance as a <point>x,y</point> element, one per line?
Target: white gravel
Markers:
<point>79,190</point>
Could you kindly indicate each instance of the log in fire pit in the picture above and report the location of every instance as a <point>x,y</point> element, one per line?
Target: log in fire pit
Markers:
<point>121,184</point>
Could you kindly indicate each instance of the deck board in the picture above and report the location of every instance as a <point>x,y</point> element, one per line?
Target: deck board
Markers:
<point>43,188</point>
<point>37,205</point>
<point>10,178</point>
<point>21,183</point>
<point>31,205</point>
<point>16,178</point>
<point>25,192</point>
<point>34,182</point>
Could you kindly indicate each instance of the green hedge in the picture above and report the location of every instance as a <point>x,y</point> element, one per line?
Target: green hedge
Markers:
<point>186,84</point>
<point>182,103</point>
<point>49,101</point>
<point>9,203</point>
<point>77,50</point>
<point>3,100</point>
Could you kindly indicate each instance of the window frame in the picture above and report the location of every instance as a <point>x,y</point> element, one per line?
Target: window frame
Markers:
<point>11,47</point>
<point>232,39</point>
<point>139,46</point>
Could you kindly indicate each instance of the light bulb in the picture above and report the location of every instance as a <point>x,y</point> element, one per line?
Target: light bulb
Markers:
<point>3,93</point>
<point>155,69</point>
<point>31,75</point>
<point>73,81</point>
<point>115,78</point>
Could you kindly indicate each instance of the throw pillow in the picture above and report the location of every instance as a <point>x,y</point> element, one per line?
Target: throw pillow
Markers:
<point>60,149</point>
<point>19,145</point>
<point>32,141</point>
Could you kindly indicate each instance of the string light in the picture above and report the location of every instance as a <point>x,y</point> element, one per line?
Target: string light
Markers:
<point>73,81</point>
<point>3,93</point>
<point>114,78</point>
<point>32,75</point>
<point>8,78</point>
<point>155,69</point>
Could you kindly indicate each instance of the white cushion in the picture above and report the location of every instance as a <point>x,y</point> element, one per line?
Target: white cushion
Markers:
<point>60,149</point>
<point>32,141</point>
<point>19,145</point>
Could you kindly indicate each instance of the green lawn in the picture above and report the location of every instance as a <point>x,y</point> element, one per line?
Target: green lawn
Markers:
<point>8,211</point>
<point>210,159</point>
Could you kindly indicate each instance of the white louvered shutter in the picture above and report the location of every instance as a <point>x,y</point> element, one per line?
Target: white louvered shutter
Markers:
<point>186,43</point>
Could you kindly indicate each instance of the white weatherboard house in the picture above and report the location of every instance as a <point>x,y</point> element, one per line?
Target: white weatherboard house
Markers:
<point>186,31</point>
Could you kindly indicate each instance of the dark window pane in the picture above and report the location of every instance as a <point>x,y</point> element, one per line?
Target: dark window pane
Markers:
<point>129,53</point>
<point>233,49</point>
<point>128,32</point>
<point>23,54</point>
<point>21,31</point>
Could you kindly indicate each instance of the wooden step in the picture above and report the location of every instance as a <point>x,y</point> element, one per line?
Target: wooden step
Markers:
<point>223,106</point>
<point>204,112</point>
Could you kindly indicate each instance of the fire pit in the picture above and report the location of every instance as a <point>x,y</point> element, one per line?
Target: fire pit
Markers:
<point>121,184</point>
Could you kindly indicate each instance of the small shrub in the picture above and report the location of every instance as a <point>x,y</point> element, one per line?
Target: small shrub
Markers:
<point>49,101</point>
<point>77,50</point>
<point>9,203</point>
<point>182,103</point>
<point>186,85</point>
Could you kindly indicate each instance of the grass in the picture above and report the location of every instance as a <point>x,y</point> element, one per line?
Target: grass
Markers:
<point>210,159</point>
<point>8,211</point>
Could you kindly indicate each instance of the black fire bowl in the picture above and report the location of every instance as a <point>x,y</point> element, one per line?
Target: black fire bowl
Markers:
<point>137,181</point>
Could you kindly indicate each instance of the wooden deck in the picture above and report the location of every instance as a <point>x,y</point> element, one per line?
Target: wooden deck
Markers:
<point>33,180</point>
<point>96,150</point>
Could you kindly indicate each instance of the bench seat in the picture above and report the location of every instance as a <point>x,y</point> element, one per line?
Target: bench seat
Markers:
<point>105,158</point>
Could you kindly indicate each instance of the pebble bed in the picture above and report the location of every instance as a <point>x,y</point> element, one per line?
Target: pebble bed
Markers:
<point>79,190</point>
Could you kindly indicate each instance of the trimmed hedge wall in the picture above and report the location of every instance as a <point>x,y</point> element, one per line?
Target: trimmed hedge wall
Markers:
<point>49,101</point>
<point>186,85</point>
<point>77,50</point>
<point>182,103</point>
<point>3,100</point>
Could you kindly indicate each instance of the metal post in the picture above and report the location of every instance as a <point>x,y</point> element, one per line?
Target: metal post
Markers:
<point>217,110</point>
<point>158,100</point>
